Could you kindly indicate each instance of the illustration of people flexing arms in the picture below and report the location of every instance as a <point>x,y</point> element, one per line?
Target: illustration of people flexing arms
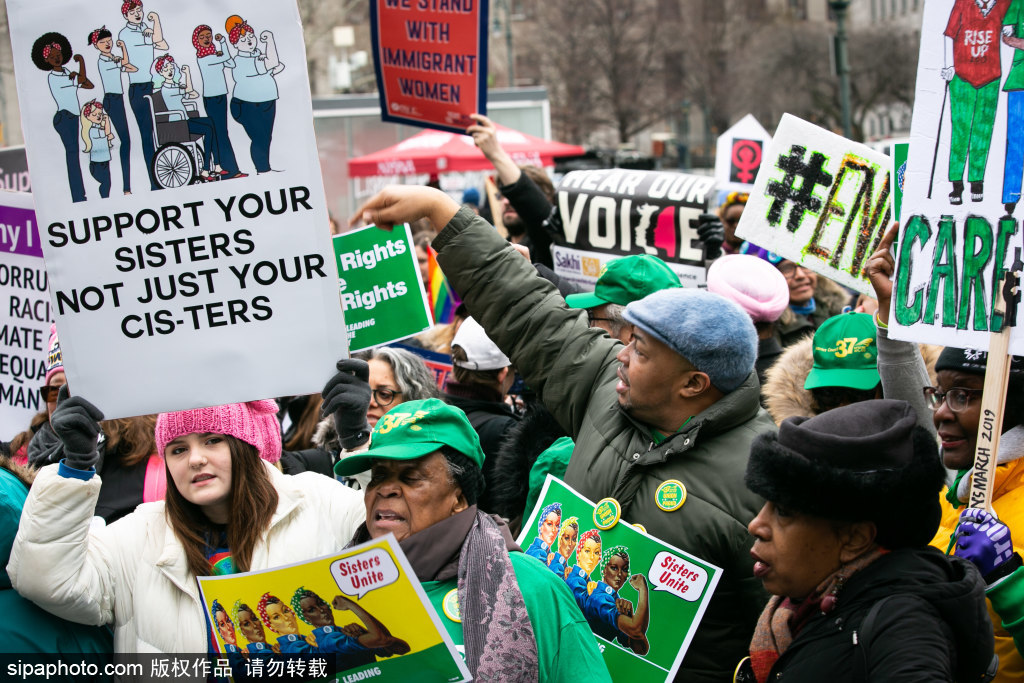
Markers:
<point>110,67</point>
<point>281,619</point>
<point>588,555</point>
<point>141,42</point>
<point>353,644</point>
<point>98,141</point>
<point>254,97</point>
<point>567,536</point>
<point>1013,168</point>
<point>252,628</point>
<point>612,617</point>
<point>972,70</point>
<point>547,530</point>
<point>50,52</point>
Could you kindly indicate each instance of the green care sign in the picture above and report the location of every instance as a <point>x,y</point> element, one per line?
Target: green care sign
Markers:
<point>381,290</point>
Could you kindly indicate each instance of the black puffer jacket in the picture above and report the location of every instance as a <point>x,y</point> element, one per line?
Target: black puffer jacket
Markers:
<point>934,627</point>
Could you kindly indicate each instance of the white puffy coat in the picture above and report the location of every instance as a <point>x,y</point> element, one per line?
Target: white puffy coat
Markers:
<point>133,575</point>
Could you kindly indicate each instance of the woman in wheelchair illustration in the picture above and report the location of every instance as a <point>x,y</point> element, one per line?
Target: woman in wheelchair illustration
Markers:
<point>178,155</point>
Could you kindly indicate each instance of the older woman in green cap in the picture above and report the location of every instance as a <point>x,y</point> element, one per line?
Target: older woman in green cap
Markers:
<point>514,617</point>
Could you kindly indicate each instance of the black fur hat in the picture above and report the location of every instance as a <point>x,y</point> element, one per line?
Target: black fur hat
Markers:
<point>868,461</point>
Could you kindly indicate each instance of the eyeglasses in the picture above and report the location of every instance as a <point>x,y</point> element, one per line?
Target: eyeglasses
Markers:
<point>49,393</point>
<point>956,398</point>
<point>384,397</point>
<point>591,319</point>
<point>788,270</point>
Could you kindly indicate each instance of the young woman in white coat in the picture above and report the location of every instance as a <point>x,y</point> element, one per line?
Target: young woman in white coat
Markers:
<point>227,509</point>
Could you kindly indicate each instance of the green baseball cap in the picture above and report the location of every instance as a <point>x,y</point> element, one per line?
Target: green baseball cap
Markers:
<point>845,353</point>
<point>413,429</point>
<point>626,280</point>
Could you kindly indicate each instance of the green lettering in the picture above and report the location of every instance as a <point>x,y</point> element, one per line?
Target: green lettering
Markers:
<point>977,254</point>
<point>916,229</point>
<point>1007,229</point>
<point>944,274</point>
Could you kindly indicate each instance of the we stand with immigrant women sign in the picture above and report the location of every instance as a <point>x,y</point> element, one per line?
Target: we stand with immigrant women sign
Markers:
<point>179,198</point>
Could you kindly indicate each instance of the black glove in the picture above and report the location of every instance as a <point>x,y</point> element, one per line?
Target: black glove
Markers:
<point>77,423</point>
<point>347,398</point>
<point>712,234</point>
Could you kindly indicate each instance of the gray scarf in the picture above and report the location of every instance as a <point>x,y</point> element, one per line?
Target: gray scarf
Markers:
<point>499,638</point>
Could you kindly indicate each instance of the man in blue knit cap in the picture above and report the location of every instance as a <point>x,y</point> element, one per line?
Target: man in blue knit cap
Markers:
<point>663,425</point>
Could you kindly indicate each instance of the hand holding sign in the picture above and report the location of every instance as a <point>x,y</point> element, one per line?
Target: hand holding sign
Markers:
<point>404,204</point>
<point>879,269</point>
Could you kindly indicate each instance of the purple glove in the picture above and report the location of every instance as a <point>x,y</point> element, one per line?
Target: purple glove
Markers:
<point>983,540</point>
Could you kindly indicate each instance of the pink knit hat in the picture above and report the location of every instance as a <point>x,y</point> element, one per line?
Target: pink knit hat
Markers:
<point>254,422</point>
<point>756,285</point>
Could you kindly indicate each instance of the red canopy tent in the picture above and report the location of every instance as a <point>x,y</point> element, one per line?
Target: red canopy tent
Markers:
<point>434,152</point>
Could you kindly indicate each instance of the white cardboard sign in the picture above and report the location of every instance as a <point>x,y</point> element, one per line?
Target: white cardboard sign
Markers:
<point>820,200</point>
<point>960,222</point>
<point>25,330</point>
<point>739,154</point>
<point>187,292</point>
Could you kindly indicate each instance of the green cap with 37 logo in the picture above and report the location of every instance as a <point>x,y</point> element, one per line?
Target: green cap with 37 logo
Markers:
<point>845,353</point>
<point>412,430</point>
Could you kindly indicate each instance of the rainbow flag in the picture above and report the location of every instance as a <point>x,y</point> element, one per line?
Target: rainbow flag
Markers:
<point>443,299</point>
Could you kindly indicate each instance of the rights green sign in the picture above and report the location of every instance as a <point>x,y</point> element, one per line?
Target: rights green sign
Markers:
<point>642,597</point>
<point>381,290</point>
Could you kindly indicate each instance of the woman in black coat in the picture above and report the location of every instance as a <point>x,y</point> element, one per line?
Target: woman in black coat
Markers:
<point>842,544</point>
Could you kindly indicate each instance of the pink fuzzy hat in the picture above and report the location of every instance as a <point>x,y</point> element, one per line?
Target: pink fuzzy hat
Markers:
<point>254,422</point>
<point>753,283</point>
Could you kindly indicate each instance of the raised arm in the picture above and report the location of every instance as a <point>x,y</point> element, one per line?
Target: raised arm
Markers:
<point>559,355</point>
<point>158,31</point>
<point>900,364</point>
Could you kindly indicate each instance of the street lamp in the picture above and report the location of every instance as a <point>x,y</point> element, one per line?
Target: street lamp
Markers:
<point>508,40</point>
<point>839,8</point>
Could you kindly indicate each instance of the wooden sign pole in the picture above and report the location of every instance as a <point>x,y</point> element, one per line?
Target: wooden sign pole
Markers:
<point>997,376</point>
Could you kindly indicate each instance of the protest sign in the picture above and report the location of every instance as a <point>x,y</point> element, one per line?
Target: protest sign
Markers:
<point>959,226</point>
<point>25,330</point>
<point>438,363</point>
<point>618,212</point>
<point>819,200</point>
<point>363,607</point>
<point>899,170</point>
<point>381,290</point>
<point>431,61</point>
<point>221,287</point>
<point>739,153</point>
<point>668,589</point>
<point>584,267</point>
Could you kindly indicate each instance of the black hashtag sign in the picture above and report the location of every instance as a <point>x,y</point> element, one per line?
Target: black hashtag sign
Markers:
<point>786,192</point>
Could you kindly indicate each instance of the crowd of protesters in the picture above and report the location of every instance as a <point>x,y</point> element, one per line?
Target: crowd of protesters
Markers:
<point>827,468</point>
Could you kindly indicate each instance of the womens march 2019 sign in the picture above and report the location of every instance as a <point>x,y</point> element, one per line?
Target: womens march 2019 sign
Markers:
<point>431,59</point>
<point>179,199</point>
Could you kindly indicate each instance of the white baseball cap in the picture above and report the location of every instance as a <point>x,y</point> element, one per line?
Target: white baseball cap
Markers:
<point>481,352</point>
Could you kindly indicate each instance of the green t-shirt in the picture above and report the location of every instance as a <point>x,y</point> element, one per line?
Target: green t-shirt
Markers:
<point>566,647</point>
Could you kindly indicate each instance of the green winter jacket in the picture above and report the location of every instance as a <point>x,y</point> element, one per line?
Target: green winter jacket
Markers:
<point>573,369</point>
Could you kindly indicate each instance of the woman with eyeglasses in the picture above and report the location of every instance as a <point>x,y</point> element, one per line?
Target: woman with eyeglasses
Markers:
<point>952,410</point>
<point>380,378</point>
<point>813,299</point>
